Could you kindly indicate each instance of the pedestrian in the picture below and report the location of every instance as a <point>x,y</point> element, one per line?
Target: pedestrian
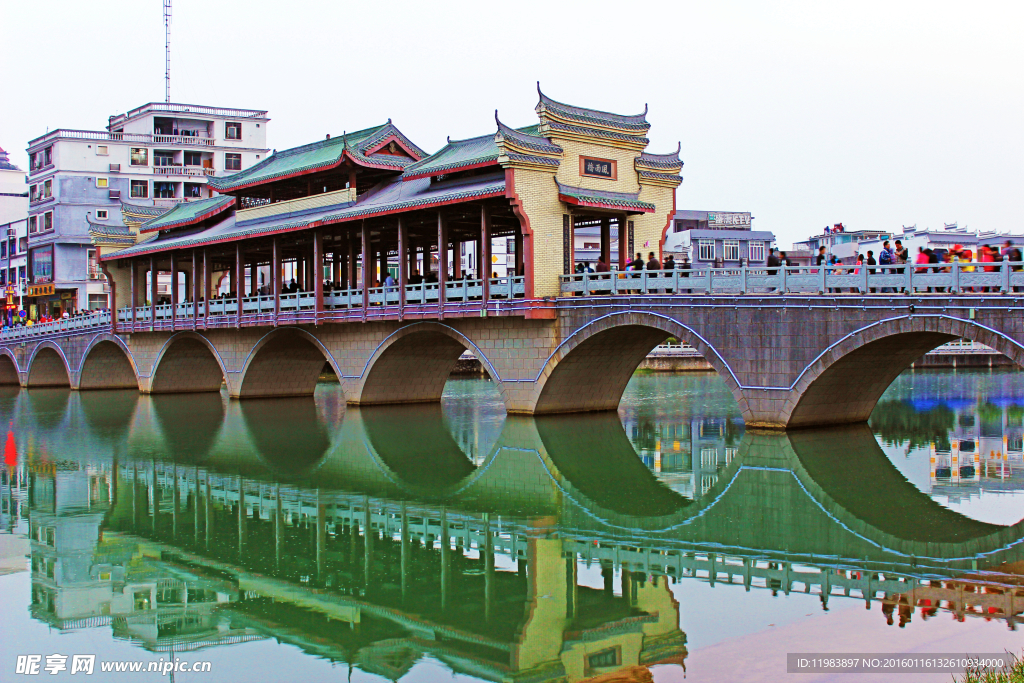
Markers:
<point>602,267</point>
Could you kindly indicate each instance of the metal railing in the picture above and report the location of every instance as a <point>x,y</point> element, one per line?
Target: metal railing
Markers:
<point>949,278</point>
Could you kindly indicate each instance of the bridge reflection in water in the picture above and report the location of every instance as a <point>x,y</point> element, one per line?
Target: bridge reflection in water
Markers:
<point>375,540</point>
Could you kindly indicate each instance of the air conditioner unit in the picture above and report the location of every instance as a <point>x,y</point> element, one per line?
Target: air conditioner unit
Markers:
<point>115,168</point>
<point>114,194</point>
<point>12,232</point>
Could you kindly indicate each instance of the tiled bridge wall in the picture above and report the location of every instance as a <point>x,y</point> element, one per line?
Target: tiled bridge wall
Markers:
<point>790,362</point>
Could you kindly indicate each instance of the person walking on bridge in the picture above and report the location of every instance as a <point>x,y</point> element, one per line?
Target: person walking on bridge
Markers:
<point>653,264</point>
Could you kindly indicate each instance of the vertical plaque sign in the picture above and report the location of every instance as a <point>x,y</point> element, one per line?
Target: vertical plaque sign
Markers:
<point>631,248</point>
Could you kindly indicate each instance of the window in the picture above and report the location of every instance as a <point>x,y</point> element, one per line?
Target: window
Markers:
<point>101,182</point>
<point>48,156</point>
<point>604,658</point>
<point>163,190</point>
<point>93,265</point>
<point>233,131</point>
<point>47,189</point>
<point>101,150</point>
<point>3,249</point>
<point>12,246</point>
<point>47,222</point>
<point>3,277</point>
<point>101,214</point>
<point>32,225</point>
<point>21,273</point>
<point>708,458</point>
<point>98,302</point>
<point>33,193</point>
<point>706,250</point>
<point>193,159</point>
<point>140,189</point>
<point>732,250</point>
<point>193,190</point>
<point>140,156</point>
<point>232,162</point>
<point>755,251</point>
<point>22,244</point>
<point>591,245</point>
<point>163,158</point>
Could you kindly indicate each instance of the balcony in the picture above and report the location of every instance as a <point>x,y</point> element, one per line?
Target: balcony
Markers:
<point>175,108</point>
<point>104,136</point>
<point>178,169</point>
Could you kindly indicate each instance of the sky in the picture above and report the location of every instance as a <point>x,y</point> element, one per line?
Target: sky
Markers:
<point>872,114</point>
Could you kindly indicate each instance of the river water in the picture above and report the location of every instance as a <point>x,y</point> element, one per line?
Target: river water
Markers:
<point>300,540</point>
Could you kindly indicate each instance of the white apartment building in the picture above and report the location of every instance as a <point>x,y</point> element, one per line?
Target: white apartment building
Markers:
<point>13,225</point>
<point>154,157</point>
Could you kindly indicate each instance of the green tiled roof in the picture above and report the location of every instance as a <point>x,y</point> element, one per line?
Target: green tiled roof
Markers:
<point>603,198</point>
<point>320,155</point>
<point>480,151</point>
<point>660,161</point>
<point>187,213</point>
<point>636,122</point>
<point>455,155</point>
<point>138,210</point>
<point>110,233</point>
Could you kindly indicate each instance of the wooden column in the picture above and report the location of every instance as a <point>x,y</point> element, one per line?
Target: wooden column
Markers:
<point>195,290</point>
<point>520,261</point>
<point>239,282</point>
<point>318,274</point>
<point>152,292</point>
<point>485,251</point>
<point>623,242</point>
<point>442,262</point>
<point>174,289</point>
<point>606,240</point>
<point>254,278</point>
<point>336,256</point>
<point>365,238</point>
<point>135,288</point>
<point>403,262</point>
<point>456,260</point>
<point>206,288</point>
<point>275,276</point>
<point>352,251</point>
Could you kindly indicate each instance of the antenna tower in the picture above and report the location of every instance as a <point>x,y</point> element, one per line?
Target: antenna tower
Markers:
<point>167,50</point>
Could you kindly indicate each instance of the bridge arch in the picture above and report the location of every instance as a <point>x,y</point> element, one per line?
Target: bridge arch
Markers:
<point>590,370</point>
<point>8,367</point>
<point>844,383</point>
<point>186,363</point>
<point>413,364</point>
<point>48,367</point>
<point>107,364</point>
<point>285,362</point>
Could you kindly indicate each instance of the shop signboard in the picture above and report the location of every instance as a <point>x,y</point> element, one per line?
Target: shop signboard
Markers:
<point>41,263</point>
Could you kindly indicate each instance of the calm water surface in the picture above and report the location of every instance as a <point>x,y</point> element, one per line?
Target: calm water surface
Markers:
<point>287,540</point>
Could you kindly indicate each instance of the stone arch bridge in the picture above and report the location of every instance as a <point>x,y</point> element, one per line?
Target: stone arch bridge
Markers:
<point>792,361</point>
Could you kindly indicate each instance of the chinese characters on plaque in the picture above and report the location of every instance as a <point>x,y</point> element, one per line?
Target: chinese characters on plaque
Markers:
<point>601,168</point>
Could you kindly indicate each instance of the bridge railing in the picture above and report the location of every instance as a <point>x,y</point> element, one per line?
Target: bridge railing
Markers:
<point>99,319</point>
<point>948,278</point>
